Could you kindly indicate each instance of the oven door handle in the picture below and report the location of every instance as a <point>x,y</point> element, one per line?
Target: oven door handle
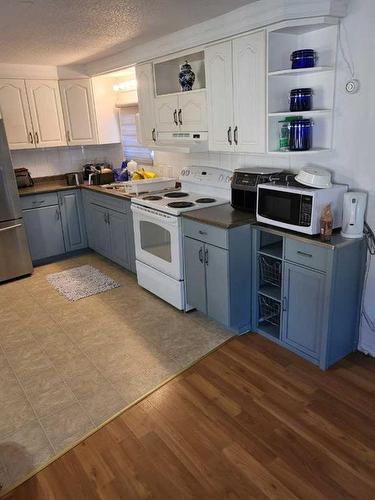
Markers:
<point>149,213</point>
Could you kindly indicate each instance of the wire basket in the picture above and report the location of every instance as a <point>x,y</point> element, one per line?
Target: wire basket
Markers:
<point>269,310</point>
<point>270,270</point>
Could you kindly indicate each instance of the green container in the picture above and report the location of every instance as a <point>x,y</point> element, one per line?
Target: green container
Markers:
<point>284,132</point>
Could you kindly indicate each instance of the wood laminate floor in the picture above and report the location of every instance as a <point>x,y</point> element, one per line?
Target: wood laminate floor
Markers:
<point>251,420</point>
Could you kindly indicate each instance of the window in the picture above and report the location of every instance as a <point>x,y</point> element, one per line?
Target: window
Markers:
<point>132,149</point>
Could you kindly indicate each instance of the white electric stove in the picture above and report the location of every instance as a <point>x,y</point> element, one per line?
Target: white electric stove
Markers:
<point>158,231</point>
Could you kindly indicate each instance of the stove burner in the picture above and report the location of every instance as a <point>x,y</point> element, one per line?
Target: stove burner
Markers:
<point>176,194</point>
<point>180,204</point>
<point>205,200</point>
<point>152,198</point>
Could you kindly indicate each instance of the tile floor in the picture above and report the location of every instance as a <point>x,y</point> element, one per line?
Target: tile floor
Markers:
<point>65,368</point>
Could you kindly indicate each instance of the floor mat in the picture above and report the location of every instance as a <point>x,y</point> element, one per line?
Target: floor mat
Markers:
<point>81,282</point>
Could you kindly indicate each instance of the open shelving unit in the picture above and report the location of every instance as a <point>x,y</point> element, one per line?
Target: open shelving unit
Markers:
<point>282,41</point>
<point>268,282</point>
<point>166,73</point>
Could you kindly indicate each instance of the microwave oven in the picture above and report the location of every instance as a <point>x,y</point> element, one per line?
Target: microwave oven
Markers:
<point>298,208</point>
<point>244,186</point>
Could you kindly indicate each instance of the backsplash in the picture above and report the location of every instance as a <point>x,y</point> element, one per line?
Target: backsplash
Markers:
<point>55,161</point>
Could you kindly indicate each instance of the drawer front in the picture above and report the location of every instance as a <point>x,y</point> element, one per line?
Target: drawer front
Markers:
<point>308,255</point>
<point>205,232</point>
<point>107,201</point>
<point>38,200</point>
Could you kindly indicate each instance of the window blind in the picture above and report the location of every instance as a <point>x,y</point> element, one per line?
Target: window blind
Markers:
<point>131,147</point>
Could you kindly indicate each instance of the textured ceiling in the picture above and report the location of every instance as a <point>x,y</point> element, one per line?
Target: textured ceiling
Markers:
<point>60,32</point>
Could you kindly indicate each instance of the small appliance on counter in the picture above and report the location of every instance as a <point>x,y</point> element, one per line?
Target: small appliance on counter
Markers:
<point>353,214</point>
<point>290,205</point>
<point>23,178</point>
<point>74,178</point>
<point>244,186</point>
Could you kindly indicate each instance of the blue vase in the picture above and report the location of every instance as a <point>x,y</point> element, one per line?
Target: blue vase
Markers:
<point>186,77</point>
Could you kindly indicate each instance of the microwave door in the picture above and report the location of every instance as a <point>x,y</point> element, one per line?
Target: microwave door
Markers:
<point>279,206</point>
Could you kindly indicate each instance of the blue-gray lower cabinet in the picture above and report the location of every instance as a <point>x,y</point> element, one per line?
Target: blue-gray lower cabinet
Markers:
<point>303,308</point>
<point>307,295</point>
<point>217,269</point>
<point>44,231</point>
<point>110,228</point>
<point>73,221</point>
<point>54,223</point>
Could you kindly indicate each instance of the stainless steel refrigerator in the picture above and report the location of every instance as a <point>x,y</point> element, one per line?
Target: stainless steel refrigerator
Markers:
<point>15,257</point>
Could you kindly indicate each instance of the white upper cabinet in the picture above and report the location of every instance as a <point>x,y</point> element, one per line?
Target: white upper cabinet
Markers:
<point>166,110</point>
<point>236,83</point>
<point>15,112</point>
<point>218,60</point>
<point>46,113</point>
<point>79,114</point>
<point>185,112</point>
<point>249,93</point>
<point>145,91</point>
<point>192,111</point>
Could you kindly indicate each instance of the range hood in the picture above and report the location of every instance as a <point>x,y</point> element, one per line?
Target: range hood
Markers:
<point>174,142</point>
<point>183,142</point>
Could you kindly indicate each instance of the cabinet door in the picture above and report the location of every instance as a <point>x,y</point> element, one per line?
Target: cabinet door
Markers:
<point>118,238</point>
<point>166,108</point>
<point>46,113</point>
<point>217,279</point>
<point>78,109</point>
<point>304,298</point>
<point>218,63</point>
<point>145,91</point>
<point>44,232</point>
<point>15,112</point>
<point>72,220</point>
<point>99,232</point>
<point>195,279</point>
<point>249,81</point>
<point>192,111</point>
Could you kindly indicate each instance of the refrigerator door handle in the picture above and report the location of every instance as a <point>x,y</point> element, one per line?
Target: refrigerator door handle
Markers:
<point>10,227</point>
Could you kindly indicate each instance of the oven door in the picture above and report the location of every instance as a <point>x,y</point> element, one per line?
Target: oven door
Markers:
<point>158,240</point>
<point>279,206</point>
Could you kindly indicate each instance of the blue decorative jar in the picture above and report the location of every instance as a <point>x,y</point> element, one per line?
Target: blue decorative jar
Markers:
<point>300,134</point>
<point>300,99</point>
<point>186,77</point>
<point>305,58</point>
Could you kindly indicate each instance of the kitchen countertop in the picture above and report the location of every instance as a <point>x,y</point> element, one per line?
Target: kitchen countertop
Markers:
<point>58,183</point>
<point>336,240</point>
<point>221,216</point>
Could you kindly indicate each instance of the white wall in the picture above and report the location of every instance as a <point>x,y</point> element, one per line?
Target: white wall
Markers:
<point>56,161</point>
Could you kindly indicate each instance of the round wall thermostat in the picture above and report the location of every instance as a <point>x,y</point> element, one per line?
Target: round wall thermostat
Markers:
<point>352,86</point>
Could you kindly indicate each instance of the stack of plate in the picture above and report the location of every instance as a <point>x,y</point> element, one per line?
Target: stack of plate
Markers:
<point>315,177</point>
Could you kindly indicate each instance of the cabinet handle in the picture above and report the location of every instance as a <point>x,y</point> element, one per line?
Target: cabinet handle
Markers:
<point>201,254</point>
<point>153,135</point>
<point>175,117</point>
<point>105,218</point>
<point>67,136</point>
<point>304,254</point>
<point>229,135</point>
<point>206,256</point>
<point>31,138</point>
<point>202,232</point>
<point>235,135</point>
<point>284,304</point>
<point>36,138</point>
<point>108,219</point>
<point>57,214</point>
<point>38,202</point>
<point>180,116</point>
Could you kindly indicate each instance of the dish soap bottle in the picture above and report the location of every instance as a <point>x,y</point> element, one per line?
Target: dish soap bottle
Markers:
<point>326,223</point>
